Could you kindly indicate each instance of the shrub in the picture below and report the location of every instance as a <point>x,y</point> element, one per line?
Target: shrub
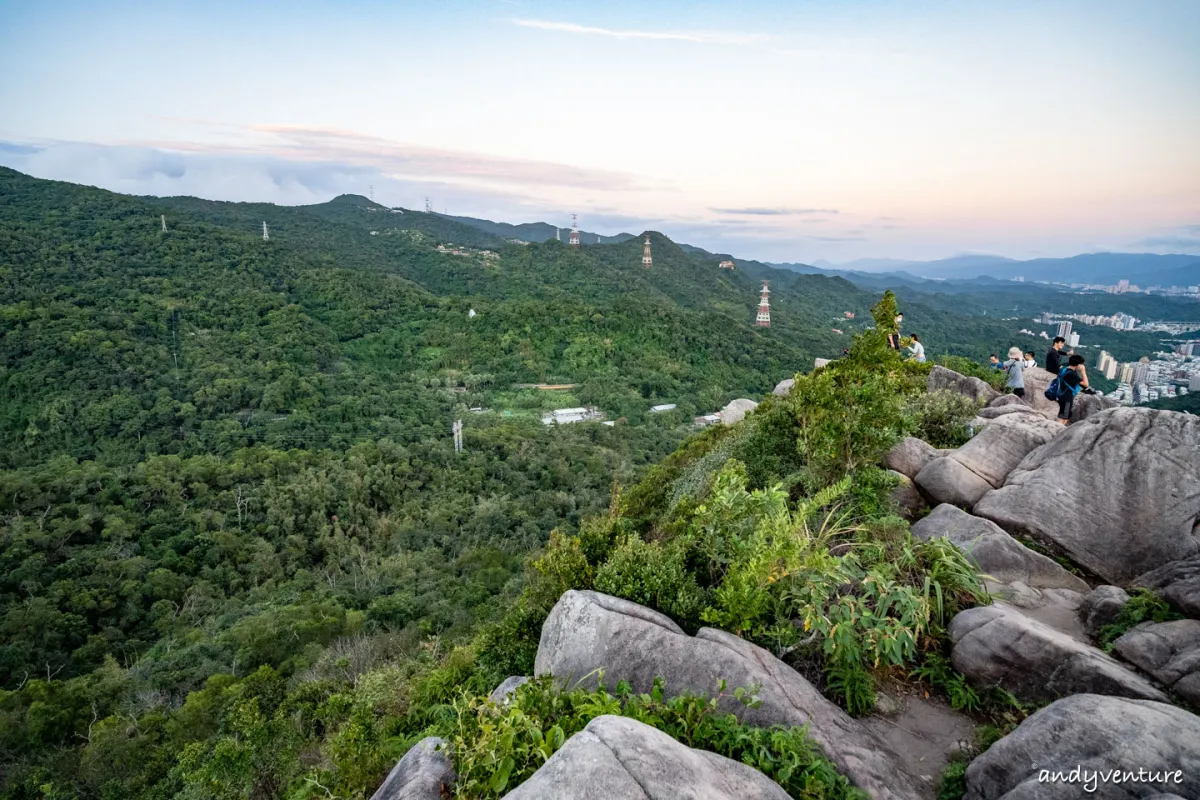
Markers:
<point>652,574</point>
<point>941,418</point>
<point>1144,606</point>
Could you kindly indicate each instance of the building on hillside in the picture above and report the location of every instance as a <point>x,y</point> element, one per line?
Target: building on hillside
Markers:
<point>726,264</point>
<point>706,420</point>
<point>562,416</point>
<point>763,318</point>
<point>1073,339</point>
<point>1064,330</point>
<point>662,408</point>
<point>1127,373</point>
<point>647,261</point>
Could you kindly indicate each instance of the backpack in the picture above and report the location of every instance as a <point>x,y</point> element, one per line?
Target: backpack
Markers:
<point>1058,388</point>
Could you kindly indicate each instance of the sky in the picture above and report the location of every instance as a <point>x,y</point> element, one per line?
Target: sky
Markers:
<point>813,130</point>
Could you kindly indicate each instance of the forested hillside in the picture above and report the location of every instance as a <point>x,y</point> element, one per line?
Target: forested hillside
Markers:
<point>227,478</point>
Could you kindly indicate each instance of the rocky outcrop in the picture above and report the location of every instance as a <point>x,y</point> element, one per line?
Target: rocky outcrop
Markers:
<point>784,387</point>
<point>1118,492</point>
<point>1095,734</point>
<point>1036,382</point>
<point>1002,445</point>
<point>590,635</point>
<point>1101,607</point>
<point>998,646</point>
<point>946,480</point>
<point>942,379</point>
<point>992,412</point>
<point>906,497</point>
<point>1169,651</point>
<point>909,456</point>
<point>503,693</point>
<point>423,774</point>
<point>983,463</point>
<point>1178,582</point>
<point>1007,400</point>
<point>1086,405</point>
<point>616,758</point>
<point>995,552</point>
<point>736,411</point>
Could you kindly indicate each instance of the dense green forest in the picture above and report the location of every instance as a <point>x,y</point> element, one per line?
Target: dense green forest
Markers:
<point>239,554</point>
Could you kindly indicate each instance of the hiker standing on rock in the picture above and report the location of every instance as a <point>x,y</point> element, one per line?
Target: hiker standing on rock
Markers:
<point>1054,356</point>
<point>894,335</point>
<point>994,362</point>
<point>1071,380</point>
<point>1015,367</point>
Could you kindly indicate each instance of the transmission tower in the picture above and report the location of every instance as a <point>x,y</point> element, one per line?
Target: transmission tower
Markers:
<point>428,206</point>
<point>573,240</point>
<point>371,192</point>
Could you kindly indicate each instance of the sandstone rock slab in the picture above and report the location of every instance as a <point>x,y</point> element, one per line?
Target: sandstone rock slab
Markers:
<point>588,633</point>
<point>909,456</point>
<point>945,480</point>
<point>1178,582</point>
<point>1007,400</point>
<point>501,694</point>
<point>1119,492</point>
<point>736,411</point>
<point>943,379</point>
<point>1094,733</point>
<point>617,758</point>
<point>1169,651</point>
<point>1101,607</point>
<point>995,552</point>
<point>422,774</point>
<point>1003,444</point>
<point>998,646</point>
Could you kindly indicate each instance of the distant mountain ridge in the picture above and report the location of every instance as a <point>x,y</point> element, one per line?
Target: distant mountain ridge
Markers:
<point>1142,269</point>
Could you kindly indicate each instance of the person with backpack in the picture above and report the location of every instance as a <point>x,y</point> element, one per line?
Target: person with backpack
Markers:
<point>1030,360</point>
<point>1054,356</point>
<point>1070,381</point>
<point>1015,367</point>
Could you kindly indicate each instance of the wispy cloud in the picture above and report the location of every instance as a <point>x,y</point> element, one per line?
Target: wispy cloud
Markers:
<point>774,212</point>
<point>698,37</point>
<point>1182,238</point>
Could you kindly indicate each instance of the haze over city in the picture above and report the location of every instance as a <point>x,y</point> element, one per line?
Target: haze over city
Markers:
<point>785,132</point>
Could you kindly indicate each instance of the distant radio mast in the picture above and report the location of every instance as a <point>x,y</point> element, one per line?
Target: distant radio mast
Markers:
<point>428,207</point>
<point>266,236</point>
<point>574,240</point>
<point>557,234</point>
<point>647,261</point>
<point>371,192</point>
<point>164,221</point>
<point>763,319</point>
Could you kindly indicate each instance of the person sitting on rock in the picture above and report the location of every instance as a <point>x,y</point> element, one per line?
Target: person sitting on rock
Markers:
<point>1054,356</point>
<point>1015,367</point>
<point>916,350</point>
<point>1071,379</point>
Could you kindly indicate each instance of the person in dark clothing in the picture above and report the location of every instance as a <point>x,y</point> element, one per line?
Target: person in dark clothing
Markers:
<point>1072,380</point>
<point>1054,356</point>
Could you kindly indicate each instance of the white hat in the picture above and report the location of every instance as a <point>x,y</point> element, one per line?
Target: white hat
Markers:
<point>1014,352</point>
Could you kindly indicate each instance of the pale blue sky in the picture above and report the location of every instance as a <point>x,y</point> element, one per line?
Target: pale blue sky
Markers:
<point>785,131</point>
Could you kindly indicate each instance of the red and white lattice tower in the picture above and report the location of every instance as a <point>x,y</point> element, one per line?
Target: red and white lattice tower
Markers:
<point>574,240</point>
<point>763,320</point>
<point>647,261</point>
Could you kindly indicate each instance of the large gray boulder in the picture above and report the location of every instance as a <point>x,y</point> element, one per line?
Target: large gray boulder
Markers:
<point>1101,607</point>
<point>1007,400</point>
<point>784,387</point>
<point>1178,582</point>
<point>1036,382</point>
<point>946,480</point>
<point>1097,734</point>
<point>909,456</point>
<point>504,692</point>
<point>423,774</point>
<point>1169,651</point>
<point>906,497</point>
<point>998,646</point>
<point>995,552</point>
<point>736,411</point>
<point>591,636</point>
<point>994,411</point>
<point>1000,447</point>
<point>1118,492</point>
<point>617,758</point>
<point>1086,405</point>
<point>942,379</point>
